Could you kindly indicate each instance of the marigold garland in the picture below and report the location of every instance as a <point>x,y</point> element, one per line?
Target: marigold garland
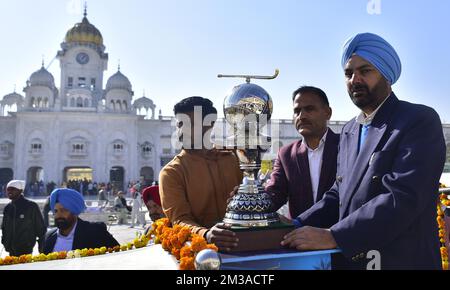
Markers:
<point>443,203</point>
<point>180,242</point>
<point>177,240</point>
<point>138,242</point>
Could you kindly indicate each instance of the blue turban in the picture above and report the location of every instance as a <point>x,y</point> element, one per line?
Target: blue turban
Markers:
<point>70,199</point>
<point>375,50</point>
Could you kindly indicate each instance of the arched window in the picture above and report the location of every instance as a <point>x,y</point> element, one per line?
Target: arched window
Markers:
<point>79,102</point>
<point>72,102</point>
<point>32,102</point>
<point>146,149</point>
<point>86,102</point>
<point>124,106</point>
<point>113,105</point>
<point>119,106</point>
<point>118,148</point>
<point>36,147</point>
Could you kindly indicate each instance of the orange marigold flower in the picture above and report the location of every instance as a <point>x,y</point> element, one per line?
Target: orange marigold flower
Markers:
<point>8,260</point>
<point>176,253</point>
<point>186,251</point>
<point>175,242</point>
<point>183,235</point>
<point>187,263</point>
<point>23,259</point>
<point>62,255</point>
<point>166,245</point>
<point>198,244</point>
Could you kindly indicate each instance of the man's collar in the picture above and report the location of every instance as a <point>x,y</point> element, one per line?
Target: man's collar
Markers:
<point>367,120</point>
<point>321,143</point>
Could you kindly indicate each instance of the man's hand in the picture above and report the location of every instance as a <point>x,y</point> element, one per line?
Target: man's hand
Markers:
<point>222,237</point>
<point>309,238</point>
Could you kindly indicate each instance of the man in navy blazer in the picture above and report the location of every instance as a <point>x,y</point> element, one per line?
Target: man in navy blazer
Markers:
<point>390,160</point>
<point>87,235</point>
<point>296,178</point>
<point>73,233</point>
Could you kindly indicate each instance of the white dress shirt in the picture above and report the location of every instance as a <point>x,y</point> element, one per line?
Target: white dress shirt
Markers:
<point>315,163</point>
<point>65,243</point>
<point>367,120</point>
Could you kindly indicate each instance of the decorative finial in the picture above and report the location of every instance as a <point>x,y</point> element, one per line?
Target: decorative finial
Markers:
<point>118,66</point>
<point>144,93</point>
<point>43,61</point>
<point>14,88</point>
<point>85,9</point>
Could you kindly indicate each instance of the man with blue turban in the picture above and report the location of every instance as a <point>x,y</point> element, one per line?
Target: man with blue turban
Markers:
<point>73,233</point>
<point>391,157</point>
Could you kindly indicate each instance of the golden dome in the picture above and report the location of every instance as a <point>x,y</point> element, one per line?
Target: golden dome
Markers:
<point>84,32</point>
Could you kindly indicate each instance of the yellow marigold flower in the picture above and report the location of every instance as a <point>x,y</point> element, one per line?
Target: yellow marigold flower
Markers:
<point>123,247</point>
<point>77,253</point>
<point>84,252</point>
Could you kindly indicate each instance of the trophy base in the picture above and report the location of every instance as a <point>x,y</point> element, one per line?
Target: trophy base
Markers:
<point>260,238</point>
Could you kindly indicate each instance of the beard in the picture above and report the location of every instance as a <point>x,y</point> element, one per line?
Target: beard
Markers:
<point>63,224</point>
<point>364,97</point>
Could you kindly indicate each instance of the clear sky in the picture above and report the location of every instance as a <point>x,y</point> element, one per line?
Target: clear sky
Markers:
<point>175,48</point>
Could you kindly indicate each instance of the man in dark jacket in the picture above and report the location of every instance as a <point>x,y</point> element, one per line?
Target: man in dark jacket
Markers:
<point>73,233</point>
<point>305,169</point>
<point>22,222</point>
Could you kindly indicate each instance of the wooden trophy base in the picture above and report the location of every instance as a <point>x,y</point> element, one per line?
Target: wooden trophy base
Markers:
<point>261,238</point>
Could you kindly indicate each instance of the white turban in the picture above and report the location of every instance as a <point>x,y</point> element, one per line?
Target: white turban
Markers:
<point>19,184</point>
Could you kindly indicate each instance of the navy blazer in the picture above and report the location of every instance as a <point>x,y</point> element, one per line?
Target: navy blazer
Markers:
<point>291,180</point>
<point>87,236</point>
<point>386,194</point>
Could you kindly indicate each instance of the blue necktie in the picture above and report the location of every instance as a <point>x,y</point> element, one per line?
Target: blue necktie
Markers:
<point>363,135</point>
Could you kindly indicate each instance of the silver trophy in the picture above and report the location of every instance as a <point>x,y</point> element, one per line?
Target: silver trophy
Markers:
<point>247,109</point>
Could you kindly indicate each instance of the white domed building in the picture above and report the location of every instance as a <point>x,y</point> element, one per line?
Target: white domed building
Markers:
<point>81,128</point>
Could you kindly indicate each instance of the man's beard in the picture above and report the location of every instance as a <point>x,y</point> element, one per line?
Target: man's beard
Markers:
<point>368,97</point>
<point>63,224</point>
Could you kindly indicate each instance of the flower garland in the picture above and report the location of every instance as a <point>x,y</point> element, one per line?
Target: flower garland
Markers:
<point>177,240</point>
<point>180,242</point>
<point>444,202</point>
<point>139,242</point>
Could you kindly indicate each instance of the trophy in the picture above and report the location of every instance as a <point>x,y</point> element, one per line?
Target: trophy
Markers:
<point>248,108</point>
